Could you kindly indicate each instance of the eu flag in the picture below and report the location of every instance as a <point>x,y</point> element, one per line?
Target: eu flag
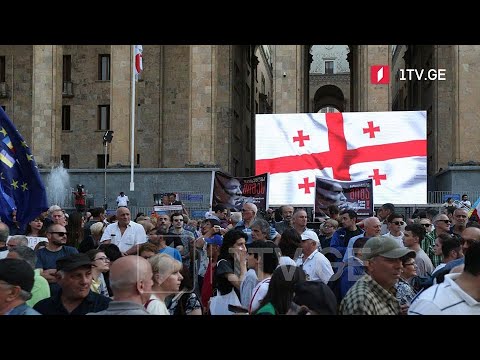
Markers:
<point>21,187</point>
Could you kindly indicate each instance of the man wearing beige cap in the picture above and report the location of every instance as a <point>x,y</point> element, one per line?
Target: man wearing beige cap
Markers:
<point>374,293</point>
<point>313,262</point>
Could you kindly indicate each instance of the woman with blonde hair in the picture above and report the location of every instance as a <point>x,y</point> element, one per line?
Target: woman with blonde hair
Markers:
<point>166,281</point>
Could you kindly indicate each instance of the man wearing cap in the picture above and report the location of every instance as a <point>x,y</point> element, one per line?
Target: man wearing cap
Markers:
<point>374,293</point>
<point>74,276</point>
<point>16,283</point>
<point>313,262</point>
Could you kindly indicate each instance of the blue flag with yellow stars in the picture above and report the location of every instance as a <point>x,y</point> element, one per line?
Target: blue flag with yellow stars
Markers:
<point>21,187</point>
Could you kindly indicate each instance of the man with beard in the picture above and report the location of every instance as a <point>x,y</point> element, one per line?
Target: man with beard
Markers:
<point>55,249</point>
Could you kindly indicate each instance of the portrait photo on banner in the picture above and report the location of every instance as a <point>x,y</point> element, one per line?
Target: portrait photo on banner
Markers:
<point>346,195</point>
<point>233,192</point>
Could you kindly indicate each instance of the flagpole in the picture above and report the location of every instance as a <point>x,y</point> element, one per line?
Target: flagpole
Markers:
<point>132,125</point>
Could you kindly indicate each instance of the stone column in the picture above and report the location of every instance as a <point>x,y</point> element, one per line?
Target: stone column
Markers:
<point>202,95</point>
<point>47,104</point>
<point>289,79</point>
<point>223,100</point>
<point>467,115</point>
<point>371,97</point>
<point>120,104</point>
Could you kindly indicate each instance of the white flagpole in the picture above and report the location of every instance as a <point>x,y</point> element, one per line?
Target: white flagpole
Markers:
<point>132,136</point>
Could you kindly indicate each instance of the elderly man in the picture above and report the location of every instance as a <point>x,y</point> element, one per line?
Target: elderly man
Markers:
<point>374,293</point>
<point>249,213</point>
<point>287,218</point>
<point>16,283</point>
<point>125,233</point>
<point>131,283</point>
<point>74,276</point>
<point>312,261</point>
<point>41,288</point>
<point>372,227</point>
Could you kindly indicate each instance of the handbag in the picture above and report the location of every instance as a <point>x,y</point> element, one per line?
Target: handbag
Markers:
<point>219,303</point>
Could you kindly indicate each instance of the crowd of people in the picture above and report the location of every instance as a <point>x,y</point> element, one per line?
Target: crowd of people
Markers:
<point>242,263</point>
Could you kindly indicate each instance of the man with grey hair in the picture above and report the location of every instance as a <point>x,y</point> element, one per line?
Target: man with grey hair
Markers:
<point>4,233</point>
<point>374,293</point>
<point>17,240</point>
<point>74,276</point>
<point>41,288</point>
<point>372,227</point>
<point>287,218</point>
<point>16,282</point>
<point>249,214</point>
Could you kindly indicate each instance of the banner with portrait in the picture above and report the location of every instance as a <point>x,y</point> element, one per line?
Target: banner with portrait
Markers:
<point>351,195</point>
<point>233,192</point>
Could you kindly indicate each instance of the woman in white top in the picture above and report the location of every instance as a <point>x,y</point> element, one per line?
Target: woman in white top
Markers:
<point>166,281</point>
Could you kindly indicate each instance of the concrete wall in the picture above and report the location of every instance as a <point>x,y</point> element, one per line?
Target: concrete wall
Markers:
<point>147,183</point>
<point>459,179</point>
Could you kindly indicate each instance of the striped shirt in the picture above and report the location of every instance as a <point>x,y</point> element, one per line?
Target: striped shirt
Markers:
<point>427,245</point>
<point>446,298</point>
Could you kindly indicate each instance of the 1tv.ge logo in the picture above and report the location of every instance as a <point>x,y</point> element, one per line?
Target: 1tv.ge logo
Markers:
<point>380,74</point>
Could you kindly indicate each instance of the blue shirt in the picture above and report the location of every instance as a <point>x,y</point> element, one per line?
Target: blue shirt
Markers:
<point>54,306</point>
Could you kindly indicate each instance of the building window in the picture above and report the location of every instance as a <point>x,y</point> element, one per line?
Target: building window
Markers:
<point>247,96</point>
<point>103,117</point>
<point>101,160</point>
<point>104,67</point>
<point>328,109</point>
<point>66,117</point>
<point>263,84</point>
<point>138,159</point>
<point>247,138</point>
<point>65,160</point>
<point>256,107</point>
<point>67,68</point>
<point>328,66</point>
<point>3,67</point>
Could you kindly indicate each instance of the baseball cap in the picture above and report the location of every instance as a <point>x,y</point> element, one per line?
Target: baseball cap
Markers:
<point>17,272</point>
<point>316,296</point>
<point>384,246</point>
<point>214,240</point>
<point>310,235</point>
<point>74,261</point>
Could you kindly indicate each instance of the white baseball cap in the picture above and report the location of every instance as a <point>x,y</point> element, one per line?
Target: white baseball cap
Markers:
<point>310,235</point>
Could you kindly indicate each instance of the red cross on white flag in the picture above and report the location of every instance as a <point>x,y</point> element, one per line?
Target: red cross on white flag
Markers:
<point>339,149</point>
<point>138,59</point>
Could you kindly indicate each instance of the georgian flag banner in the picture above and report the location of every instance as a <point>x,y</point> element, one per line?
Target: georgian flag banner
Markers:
<point>388,147</point>
<point>138,59</point>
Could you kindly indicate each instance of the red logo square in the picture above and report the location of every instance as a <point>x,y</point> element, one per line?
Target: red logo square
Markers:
<point>380,74</point>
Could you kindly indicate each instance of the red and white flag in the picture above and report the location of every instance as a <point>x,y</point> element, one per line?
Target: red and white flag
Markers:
<point>138,59</point>
<point>388,147</point>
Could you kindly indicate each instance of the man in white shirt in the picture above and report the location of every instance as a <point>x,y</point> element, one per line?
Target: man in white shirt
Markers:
<point>122,199</point>
<point>313,262</point>
<point>126,234</point>
<point>465,203</point>
<point>459,294</point>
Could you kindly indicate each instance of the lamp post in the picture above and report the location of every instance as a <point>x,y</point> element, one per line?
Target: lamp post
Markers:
<point>107,138</point>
